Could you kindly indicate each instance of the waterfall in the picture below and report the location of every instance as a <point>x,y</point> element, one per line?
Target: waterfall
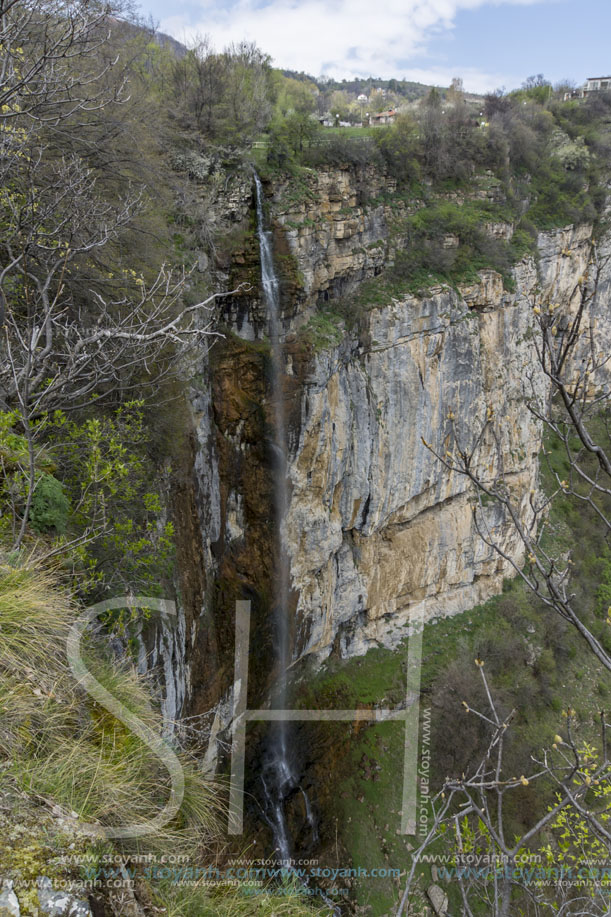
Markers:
<point>310,816</point>
<point>278,776</point>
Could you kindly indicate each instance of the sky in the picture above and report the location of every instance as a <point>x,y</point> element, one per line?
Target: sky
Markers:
<point>490,44</point>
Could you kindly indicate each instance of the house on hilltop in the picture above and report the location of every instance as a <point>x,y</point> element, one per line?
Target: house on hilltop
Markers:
<point>592,84</point>
<point>597,84</point>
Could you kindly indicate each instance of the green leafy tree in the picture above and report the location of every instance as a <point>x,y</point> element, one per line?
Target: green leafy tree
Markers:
<point>228,97</point>
<point>101,508</point>
<point>580,837</point>
<point>289,136</point>
<point>399,145</point>
<point>124,540</point>
<point>293,96</point>
<point>339,105</point>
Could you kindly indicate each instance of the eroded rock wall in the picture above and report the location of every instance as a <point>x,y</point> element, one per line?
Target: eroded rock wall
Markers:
<point>378,529</point>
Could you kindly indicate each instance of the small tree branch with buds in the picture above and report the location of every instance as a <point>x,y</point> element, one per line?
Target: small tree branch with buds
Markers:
<point>473,810</point>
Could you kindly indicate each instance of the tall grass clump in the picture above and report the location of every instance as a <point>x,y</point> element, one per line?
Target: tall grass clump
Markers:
<point>65,748</point>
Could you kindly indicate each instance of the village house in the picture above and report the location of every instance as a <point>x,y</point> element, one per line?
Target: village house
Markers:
<point>384,117</point>
<point>592,84</point>
<point>597,84</point>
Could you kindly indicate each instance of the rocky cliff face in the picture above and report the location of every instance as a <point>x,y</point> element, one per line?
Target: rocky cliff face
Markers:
<point>337,229</point>
<point>343,226</point>
<point>378,530</point>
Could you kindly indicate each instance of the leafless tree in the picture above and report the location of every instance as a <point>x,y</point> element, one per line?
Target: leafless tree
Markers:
<point>62,345</point>
<point>472,810</point>
<point>50,67</point>
<point>65,339</point>
<point>226,95</point>
<point>73,329</point>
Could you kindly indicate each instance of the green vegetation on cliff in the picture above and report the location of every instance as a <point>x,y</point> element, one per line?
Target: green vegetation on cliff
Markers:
<point>470,185</point>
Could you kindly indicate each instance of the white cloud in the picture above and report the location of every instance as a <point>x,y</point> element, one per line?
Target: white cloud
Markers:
<point>343,38</point>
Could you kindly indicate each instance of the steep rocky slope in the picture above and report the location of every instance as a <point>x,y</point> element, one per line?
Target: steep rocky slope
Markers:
<point>378,529</point>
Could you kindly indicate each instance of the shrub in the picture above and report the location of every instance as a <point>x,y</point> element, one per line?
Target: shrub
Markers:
<point>560,197</point>
<point>524,239</point>
<point>344,149</point>
<point>50,506</point>
<point>399,148</point>
<point>428,254</point>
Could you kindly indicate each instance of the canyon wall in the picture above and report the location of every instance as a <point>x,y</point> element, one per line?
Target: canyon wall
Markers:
<point>378,530</point>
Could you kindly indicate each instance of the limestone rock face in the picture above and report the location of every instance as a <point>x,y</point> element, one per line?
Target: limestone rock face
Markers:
<point>9,903</point>
<point>60,904</point>
<point>337,229</point>
<point>438,899</point>
<point>378,530</point>
<point>343,226</point>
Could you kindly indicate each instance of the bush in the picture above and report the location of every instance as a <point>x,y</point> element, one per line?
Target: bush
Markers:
<point>524,239</point>
<point>50,506</point>
<point>399,148</point>
<point>344,149</point>
<point>560,197</point>
<point>428,252</point>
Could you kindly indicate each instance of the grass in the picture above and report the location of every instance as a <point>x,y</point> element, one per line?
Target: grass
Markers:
<point>59,748</point>
<point>35,620</point>
<point>324,330</point>
<point>423,260</point>
<point>356,131</point>
<point>64,746</point>
<point>249,900</point>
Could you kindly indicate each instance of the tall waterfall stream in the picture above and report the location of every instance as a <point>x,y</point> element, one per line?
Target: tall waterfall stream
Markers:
<point>278,777</point>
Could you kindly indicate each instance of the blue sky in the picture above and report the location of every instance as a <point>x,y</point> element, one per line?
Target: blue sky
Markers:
<point>489,43</point>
